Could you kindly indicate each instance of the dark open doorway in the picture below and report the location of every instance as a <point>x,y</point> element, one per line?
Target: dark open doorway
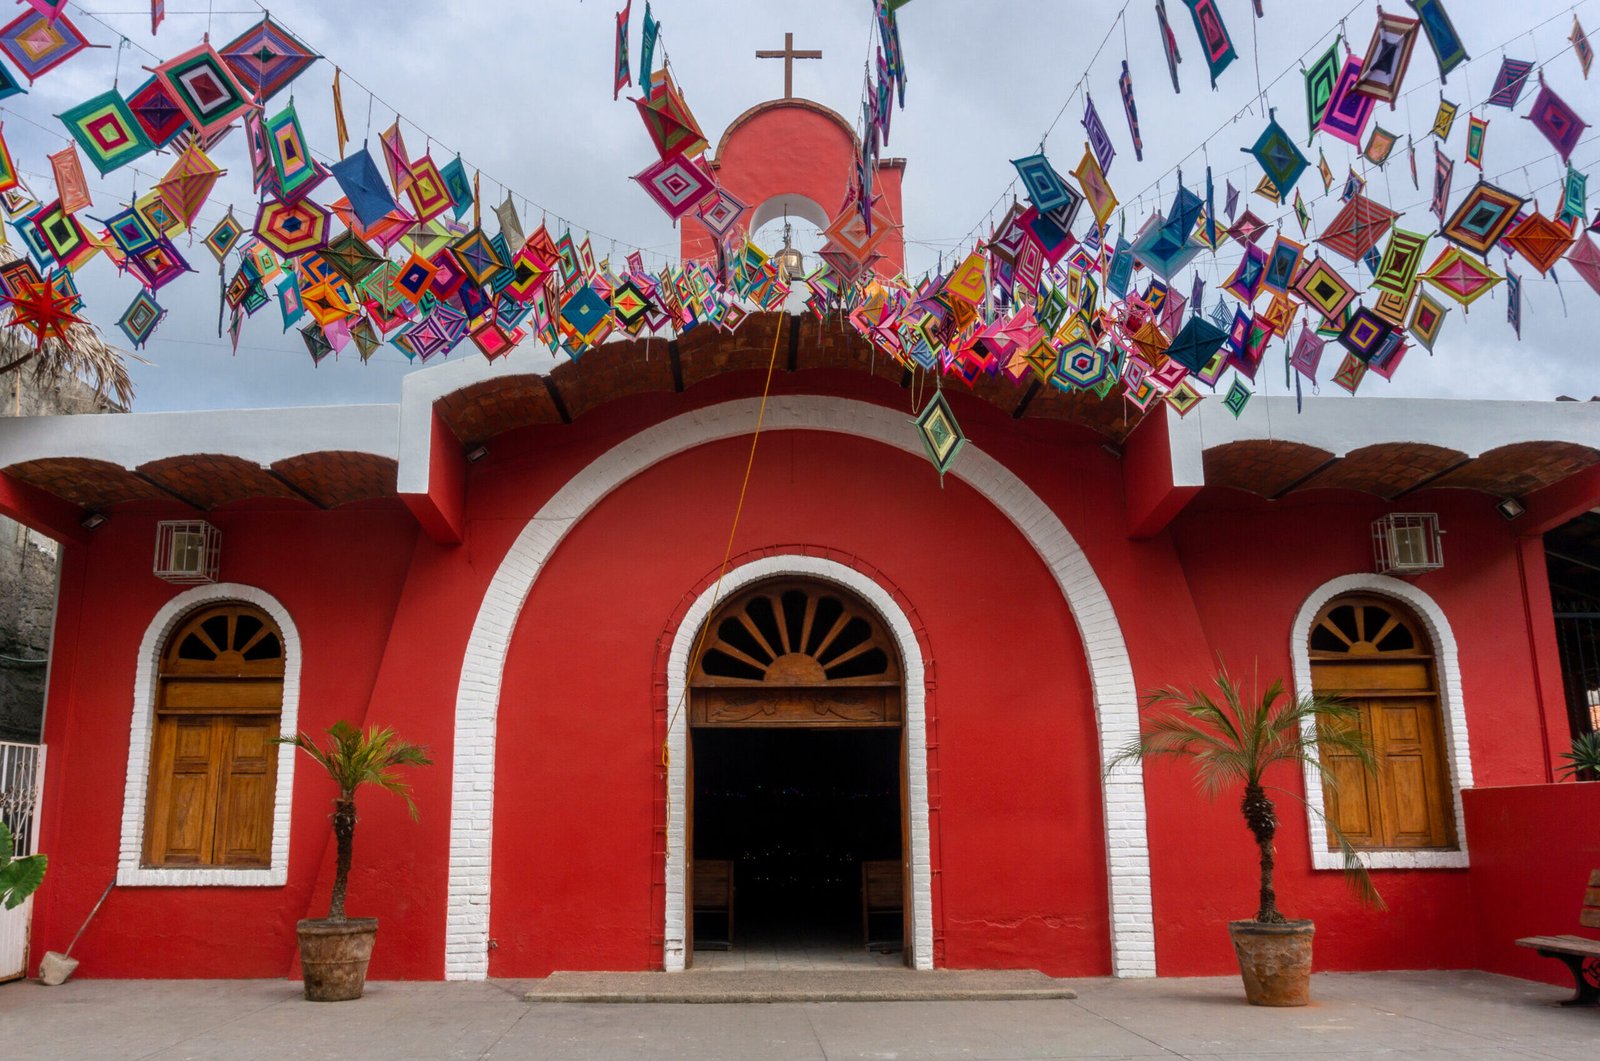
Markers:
<point>798,813</point>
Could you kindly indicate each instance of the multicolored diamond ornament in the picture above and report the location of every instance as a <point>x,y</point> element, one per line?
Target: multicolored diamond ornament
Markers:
<point>139,320</point>
<point>1280,159</point>
<point>1388,57</point>
<point>39,44</point>
<point>265,58</point>
<point>107,131</point>
<point>677,183</point>
<point>1442,35</point>
<point>941,435</point>
<point>1482,217</point>
<point>1559,123</point>
<point>205,88</point>
<point>1461,276</point>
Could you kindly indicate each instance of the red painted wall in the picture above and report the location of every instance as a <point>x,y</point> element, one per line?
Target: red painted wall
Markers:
<point>342,600</point>
<point>1249,566</point>
<point>1533,848</point>
<point>1017,836</point>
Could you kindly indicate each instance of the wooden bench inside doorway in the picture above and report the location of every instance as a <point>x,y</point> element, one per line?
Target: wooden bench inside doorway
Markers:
<point>1581,954</point>
<point>882,895</point>
<point>713,895</point>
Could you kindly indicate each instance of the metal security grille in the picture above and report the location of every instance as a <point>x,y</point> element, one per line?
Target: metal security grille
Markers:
<point>19,792</point>
<point>21,770</point>
<point>1578,637</point>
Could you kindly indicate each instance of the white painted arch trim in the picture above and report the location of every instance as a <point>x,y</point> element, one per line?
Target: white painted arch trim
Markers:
<point>916,761</point>
<point>129,871</point>
<point>1452,708</point>
<point>483,668</point>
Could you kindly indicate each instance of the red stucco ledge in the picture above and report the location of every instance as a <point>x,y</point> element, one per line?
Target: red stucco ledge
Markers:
<point>1533,848</point>
<point>1164,459</point>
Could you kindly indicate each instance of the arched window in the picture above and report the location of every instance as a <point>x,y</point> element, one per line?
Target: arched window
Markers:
<point>796,653</point>
<point>213,765</point>
<point>1375,654</point>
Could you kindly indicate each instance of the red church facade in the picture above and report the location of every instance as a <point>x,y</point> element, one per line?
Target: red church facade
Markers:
<point>541,656</point>
<point>515,563</point>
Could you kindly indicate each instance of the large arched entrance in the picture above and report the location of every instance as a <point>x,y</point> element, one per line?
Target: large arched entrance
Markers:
<point>798,819</point>
<point>1095,856</point>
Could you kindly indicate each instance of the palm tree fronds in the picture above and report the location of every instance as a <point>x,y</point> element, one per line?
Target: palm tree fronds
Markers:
<point>1584,758</point>
<point>1235,735</point>
<point>353,758</point>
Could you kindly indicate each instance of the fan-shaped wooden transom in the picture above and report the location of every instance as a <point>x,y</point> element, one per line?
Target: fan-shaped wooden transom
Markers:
<point>796,653</point>
<point>231,639</point>
<point>1366,626</point>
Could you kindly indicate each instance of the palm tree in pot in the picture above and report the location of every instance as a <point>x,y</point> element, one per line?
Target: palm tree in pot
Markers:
<point>1235,740</point>
<point>334,950</point>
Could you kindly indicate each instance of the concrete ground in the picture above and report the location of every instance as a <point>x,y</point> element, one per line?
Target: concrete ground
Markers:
<point>1388,1015</point>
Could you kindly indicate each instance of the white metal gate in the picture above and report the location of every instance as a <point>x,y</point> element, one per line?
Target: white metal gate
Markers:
<point>21,781</point>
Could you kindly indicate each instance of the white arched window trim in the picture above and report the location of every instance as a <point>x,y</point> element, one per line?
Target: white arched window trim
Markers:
<point>130,873</point>
<point>1458,751</point>
<point>916,764</point>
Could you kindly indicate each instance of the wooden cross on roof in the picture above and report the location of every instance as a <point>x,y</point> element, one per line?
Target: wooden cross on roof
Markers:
<point>788,55</point>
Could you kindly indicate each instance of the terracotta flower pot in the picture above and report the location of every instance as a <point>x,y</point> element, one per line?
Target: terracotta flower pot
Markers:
<point>334,956</point>
<point>1274,960</point>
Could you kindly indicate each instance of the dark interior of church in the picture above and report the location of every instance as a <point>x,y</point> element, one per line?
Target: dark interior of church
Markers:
<point>797,812</point>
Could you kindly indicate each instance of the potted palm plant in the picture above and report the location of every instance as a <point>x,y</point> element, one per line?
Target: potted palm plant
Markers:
<point>1234,740</point>
<point>334,950</point>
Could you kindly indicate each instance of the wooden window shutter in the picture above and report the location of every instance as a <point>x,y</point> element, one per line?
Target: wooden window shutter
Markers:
<point>214,768</point>
<point>1352,800</point>
<point>244,800</point>
<point>184,775</point>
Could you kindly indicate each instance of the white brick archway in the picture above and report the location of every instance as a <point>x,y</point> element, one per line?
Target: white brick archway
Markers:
<point>920,945</point>
<point>483,668</point>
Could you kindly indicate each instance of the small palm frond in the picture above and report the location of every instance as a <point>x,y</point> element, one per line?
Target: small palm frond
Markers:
<point>1584,758</point>
<point>353,758</point>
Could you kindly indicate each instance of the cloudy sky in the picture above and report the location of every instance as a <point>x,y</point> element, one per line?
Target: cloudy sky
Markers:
<point>521,90</point>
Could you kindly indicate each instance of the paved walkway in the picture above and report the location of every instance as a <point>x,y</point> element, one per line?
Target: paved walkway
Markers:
<point>1389,1015</point>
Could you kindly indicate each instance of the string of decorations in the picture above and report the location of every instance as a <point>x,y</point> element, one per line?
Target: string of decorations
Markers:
<point>1046,303</point>
<point>374,244</point>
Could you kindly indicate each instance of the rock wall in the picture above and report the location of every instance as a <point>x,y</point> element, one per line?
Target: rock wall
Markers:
<point>28,567</point>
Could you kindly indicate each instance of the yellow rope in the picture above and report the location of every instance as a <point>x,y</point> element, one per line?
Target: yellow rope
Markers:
<point>727,555</point>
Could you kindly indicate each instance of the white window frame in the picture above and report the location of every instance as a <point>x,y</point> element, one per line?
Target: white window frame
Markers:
<point>1452,711</point>
<point>130,870</point>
